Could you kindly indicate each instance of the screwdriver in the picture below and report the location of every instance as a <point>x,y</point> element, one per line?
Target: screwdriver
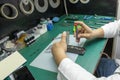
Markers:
<point>76,30</point>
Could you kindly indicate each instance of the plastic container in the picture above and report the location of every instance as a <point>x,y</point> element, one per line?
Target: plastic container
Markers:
<point>50,25</point>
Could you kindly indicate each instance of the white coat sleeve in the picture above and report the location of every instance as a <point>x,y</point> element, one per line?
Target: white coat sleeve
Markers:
<point>68,70</point>
<point>111,29</point>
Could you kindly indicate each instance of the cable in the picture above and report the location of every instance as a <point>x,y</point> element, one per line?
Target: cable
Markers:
<point>73,1</point>
<point>84,1</point>
<point>65,6</point>
<point>39,8</point>
<point>54,4</point>
<point>26,2</point>
<point>12,8</point>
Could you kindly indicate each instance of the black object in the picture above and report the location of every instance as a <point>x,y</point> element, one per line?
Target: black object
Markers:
<point>23,74</point>
<point>75,49</point>
<point>29,39</point>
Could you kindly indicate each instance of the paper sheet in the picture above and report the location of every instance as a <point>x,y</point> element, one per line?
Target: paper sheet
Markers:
<point>10,64</point>
<point>45,59</point>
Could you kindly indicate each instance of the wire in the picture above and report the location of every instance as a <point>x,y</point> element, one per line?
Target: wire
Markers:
<point>65,6</point>
<point>26,2</point>
<point>11,8</point>
<point>39,8</point>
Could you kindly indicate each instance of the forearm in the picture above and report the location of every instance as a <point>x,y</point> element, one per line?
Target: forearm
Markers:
<point>112,29</point>
<point>59,49</point>
<point>97,33</point>
<point>109,30</point>
<point>59,55</point>
<point>73,71</point>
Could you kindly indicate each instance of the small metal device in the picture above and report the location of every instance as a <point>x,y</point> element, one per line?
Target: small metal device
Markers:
<point>76,28</point>
<point>74,49</point>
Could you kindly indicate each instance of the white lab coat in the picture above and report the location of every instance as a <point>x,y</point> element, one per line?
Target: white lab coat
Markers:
<point>68,70</point>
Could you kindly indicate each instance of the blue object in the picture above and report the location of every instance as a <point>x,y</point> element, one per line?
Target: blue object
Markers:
<point>50,25</point>
<point>107,18</point>
<point>87,17</point>
<point>55,19</point>
<point>106,67</point>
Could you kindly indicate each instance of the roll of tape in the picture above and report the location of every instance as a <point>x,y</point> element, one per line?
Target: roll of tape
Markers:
<point>73,1</point>
<point>13,9</point>
<point>39,8</point>
<point>54,4</point>
<point>84,1</point>
<point>26,2</point>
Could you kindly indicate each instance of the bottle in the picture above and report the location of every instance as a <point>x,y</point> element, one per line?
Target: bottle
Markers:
<point>49,25</point>
<point>43,25</point>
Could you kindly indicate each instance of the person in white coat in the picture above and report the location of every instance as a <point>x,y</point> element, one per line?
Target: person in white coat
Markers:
<point>68,70</point>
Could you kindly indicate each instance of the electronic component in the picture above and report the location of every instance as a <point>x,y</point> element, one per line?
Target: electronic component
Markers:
<point>75,49</point>
<point>29,39</point>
